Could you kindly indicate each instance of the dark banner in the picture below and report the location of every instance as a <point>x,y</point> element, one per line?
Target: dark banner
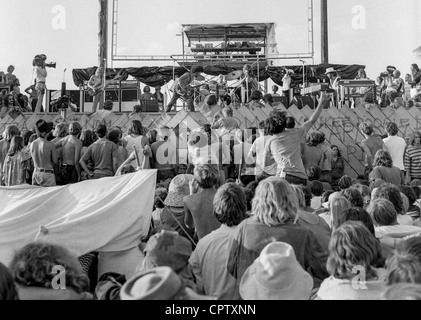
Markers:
<point>153,76</point>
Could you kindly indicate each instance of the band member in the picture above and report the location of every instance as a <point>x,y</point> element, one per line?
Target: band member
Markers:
<point>40,78</point>
<point>183,89</point>
<point>334,79</point>
<point>96,83</point>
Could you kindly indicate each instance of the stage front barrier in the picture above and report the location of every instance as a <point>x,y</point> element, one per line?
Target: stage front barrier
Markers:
<point>339,125</point>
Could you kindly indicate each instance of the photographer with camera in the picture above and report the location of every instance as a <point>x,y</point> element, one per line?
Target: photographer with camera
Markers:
<point>64,103</point>
<point>40,78</point>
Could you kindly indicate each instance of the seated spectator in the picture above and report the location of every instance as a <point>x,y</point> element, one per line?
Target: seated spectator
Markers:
<point>309,220</point>
<point>198,206</point>
<point>276,275</point>
<point>361,215</point>
<point>160,196</point>
<point>392,194</point>
<point>385,218</point>
<point>250,191</point>
<point>365,192</point>
<point>337,205</point>
<point>404,265</point>
<point>160,283</point>
<point>316,188</point>
<point>173,214</point>
<point>35,267</point>
<point>210,257</point>
<point>274,211</point>
<point>169,249</point>
<point>354,196</point>
<point>403,291</point>
<point>353,246</point>
<point>413,210</point>
<point>8,290</point>
<point>314,173</point>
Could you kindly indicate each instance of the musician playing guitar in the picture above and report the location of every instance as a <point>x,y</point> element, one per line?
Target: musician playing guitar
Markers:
<point>183,88</point>
<point>96,86</point>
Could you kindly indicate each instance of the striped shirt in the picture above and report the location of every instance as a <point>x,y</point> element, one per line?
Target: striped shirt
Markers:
<point>413,162</point>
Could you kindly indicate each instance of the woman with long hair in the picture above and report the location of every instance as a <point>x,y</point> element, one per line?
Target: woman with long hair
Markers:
<point>15,164</point>
<point>10,107</point>
<point>355,265</point>
<point>8,134</point>
<point>274,217</point>
<point>337,205</point>
<point>136,139</point>
<point>35,266</point>
<point>385,170</point>
<point>338,167</point>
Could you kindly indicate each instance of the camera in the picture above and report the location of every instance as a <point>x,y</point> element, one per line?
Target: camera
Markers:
<point>60,103</point>
<point>51,65</point>
<point>384,74</point>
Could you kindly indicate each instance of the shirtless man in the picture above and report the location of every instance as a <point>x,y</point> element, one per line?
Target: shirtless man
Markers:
<point>71,149</point>
<point>198,207</point>
<point>44,155</point>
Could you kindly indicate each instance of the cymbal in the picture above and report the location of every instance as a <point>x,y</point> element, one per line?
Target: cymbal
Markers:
<point>200,78</point>
<point>234,75</point>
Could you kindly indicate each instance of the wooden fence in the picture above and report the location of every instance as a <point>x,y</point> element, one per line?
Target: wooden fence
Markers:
<point>339,125</point>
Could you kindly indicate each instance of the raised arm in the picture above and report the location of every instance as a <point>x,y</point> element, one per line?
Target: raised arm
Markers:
<point>323,102</point>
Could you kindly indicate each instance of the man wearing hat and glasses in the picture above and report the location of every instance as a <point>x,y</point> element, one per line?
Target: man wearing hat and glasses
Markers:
<point>44,155</point>
<point>334,79</point>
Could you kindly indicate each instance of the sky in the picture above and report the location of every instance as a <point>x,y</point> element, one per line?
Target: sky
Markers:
<point>374,33</point>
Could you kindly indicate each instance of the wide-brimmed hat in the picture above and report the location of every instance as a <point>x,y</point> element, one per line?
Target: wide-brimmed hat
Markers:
<point>276,275</point>
<point>178,189</point>
<point>160,283</point>
<point>44,126</point>
<point>330,70</point>
<point>168,248</point>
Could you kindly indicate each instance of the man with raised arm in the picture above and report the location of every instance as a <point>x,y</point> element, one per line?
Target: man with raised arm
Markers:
<point>285,145</point>
<point>44,155</point>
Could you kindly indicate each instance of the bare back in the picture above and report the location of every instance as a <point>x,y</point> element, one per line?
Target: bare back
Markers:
<point>200,205</point>
<point>43,153</point>
<point>71,150</point>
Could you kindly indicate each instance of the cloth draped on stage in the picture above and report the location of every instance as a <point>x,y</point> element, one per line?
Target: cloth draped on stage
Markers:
<point>153,76</point>
<point>106,215</point>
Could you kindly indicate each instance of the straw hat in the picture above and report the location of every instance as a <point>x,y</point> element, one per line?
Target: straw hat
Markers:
<point>330,70</point>
<point>276,275</point>
<point>178,189</point>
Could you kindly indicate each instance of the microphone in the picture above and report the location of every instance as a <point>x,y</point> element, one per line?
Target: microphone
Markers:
<point>302,61</point>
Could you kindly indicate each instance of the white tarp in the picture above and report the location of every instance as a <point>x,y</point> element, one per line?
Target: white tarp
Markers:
<point>106,215</point>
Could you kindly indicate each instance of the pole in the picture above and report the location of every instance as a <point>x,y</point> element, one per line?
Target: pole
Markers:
<point>103,40</point>
<point>325,32</point>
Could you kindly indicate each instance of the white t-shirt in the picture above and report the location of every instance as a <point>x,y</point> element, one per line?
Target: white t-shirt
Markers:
<point>396,147</point>
<point>258,148</point>
<point>397,231</point>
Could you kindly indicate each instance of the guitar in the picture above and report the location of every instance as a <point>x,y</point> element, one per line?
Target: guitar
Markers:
<point>189,89</point>
<point>97,88</point>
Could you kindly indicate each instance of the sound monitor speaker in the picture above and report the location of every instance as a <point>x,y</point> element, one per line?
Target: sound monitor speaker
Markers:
<point>149,105</point>
<point>283,100</point>
<point>129,95</point>
<point>305,101</point>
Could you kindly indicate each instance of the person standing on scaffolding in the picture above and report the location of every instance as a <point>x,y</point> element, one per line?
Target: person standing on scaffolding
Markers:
<point>184,90</point>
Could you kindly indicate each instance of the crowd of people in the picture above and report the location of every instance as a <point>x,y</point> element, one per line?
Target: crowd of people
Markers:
<point>258,214</point>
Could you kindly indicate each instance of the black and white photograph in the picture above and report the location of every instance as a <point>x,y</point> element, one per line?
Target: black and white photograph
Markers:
<point>210,155</point>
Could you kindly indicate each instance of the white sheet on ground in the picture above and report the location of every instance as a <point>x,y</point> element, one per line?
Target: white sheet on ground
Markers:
<point>105,215</point>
